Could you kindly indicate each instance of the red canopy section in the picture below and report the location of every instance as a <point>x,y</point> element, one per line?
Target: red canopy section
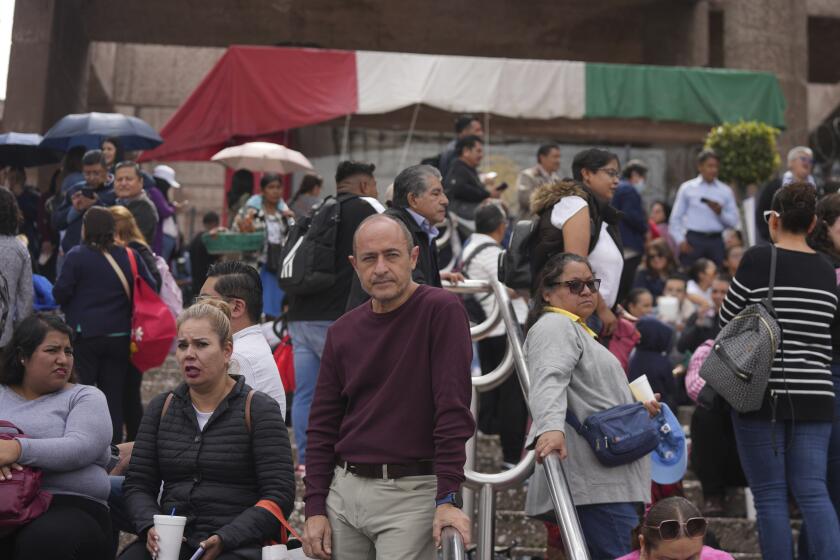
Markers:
<point>256,93</point>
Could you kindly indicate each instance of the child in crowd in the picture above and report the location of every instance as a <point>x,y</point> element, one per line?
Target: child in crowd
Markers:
<point>699,289</point>
<point>675,287</point>
<point>639,302</point>
<point>732,260</point>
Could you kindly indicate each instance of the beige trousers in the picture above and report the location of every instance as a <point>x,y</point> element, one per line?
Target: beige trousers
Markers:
<point>376,519</point>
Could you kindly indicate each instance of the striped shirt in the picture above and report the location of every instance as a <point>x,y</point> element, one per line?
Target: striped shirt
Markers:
<point>805,299</point>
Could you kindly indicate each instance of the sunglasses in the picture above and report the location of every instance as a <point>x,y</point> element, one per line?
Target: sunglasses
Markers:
<point>576,286</point>
<point>768,213</point>
<point>656,256</point>
<point>671,529</point>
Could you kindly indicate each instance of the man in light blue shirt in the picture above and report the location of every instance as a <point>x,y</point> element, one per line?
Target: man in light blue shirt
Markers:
<point>704,207</point>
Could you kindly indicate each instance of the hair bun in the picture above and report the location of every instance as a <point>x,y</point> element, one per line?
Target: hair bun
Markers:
<point>219,304</point>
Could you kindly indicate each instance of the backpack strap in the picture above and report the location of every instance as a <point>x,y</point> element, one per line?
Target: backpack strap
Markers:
<point>466,262</point>
<point>248,409</point>
<point>119,272</point>
<point>166,404</point>
<point>773,256</point>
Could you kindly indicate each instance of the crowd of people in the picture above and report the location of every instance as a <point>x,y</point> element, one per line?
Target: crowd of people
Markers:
<point>383,357</point>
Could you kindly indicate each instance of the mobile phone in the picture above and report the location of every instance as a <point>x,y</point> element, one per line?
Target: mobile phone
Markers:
<point>88,192</point>
<point>708,200</point>
<point>502,187</point>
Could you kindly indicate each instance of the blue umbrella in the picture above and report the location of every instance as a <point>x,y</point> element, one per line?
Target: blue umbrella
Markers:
<point>22,149</point>
<point>90,129</point>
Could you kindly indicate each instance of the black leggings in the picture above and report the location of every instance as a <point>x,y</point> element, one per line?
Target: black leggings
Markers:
<point>73,528</point>
<point>104,361</point>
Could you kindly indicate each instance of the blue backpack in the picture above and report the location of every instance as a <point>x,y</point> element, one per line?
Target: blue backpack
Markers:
<point>619,435</point>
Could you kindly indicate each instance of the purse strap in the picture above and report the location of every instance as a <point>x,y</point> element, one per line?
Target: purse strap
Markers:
<point>7,424</point>
<point>572,420</point>
<point>120,273</point>
<point>275,510</point>
<point>769,301</point>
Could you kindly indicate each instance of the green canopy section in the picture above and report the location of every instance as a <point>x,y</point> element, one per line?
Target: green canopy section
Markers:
<point>669,93</point>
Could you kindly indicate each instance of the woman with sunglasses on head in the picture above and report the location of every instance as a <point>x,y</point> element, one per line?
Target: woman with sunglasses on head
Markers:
<point>575,216</point>
<point>572,373</point>
<point>673,529</point>
<point>784,445</point>
<point>659,265</point>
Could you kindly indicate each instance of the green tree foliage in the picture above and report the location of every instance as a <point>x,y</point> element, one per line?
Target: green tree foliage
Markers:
<point>747,151</point>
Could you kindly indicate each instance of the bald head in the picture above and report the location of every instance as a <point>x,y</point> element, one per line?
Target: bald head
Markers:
<point>380,224</point>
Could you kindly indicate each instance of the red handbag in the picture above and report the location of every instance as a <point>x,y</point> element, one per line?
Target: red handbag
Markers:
<point>284,356</point>
<point>152,324</point>
<point>21,498</point>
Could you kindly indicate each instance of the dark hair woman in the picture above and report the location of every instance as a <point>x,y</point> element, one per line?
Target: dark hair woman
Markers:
<point>98,308</point>
<point>576,217</point>
<point>799,404</point>
<point>113,151</point>
<point>571,372</point>
<point>67,440</point>
<point>672,528</point>
<point>308,195</point>
<point>219,450</point>
<point>16,290</point>
<point>658,265</point>
<point>267,212</point>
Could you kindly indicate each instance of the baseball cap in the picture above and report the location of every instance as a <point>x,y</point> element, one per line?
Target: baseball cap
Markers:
<point>670,458</point>
<point>167,174</point>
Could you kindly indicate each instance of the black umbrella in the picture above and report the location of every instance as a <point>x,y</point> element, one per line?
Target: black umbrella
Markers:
<point>90,129</point>
<point>22,149</point>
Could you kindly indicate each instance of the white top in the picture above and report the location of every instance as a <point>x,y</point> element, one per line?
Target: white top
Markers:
<point>202,417</point>
<point>606,260</point>
<point>252,359</point>
<point>693,289</point>
<point>690,213</point>
<point>485,266</point>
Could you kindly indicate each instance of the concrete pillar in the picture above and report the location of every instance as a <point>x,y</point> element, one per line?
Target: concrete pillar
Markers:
<point>48,66</point>
<point>772,35</point>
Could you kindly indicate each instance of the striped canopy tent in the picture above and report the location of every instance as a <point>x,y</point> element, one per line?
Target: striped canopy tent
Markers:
<point>258,93</point>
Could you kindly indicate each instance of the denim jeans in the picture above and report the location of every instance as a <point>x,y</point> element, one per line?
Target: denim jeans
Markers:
<point>833,478</point>
<point>772,469</point>
<point>607,528</point>
<point>308,338</point>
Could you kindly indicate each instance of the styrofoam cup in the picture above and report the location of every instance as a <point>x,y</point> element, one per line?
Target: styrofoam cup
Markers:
<point>170,530</point>
<point>641,389</point>
<point>668,308</point>
<point>275,552</point>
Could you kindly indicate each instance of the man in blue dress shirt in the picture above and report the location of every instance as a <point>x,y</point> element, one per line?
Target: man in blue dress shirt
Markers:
<point>704,207</point>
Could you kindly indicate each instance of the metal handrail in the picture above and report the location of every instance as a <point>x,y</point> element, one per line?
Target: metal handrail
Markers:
<point>452,544</point>
<point>487,484</point>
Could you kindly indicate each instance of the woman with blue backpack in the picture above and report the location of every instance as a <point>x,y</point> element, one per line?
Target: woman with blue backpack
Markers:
<point>574,379</point>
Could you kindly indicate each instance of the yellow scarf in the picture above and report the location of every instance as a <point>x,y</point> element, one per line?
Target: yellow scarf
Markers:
<point>573,317</point>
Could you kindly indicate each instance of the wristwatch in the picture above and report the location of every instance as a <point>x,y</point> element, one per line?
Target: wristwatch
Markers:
<point>453,498</point>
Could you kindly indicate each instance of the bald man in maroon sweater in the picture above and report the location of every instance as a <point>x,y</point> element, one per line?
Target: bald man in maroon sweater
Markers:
<point>391,414</point>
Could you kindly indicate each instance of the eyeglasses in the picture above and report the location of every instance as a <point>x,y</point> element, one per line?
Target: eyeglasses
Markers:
<point>656,256</point>
<point>613,173</point>
<point>806,159</point>
<point>671,529</point>
<point>768,213</point>
<point>576,286</point>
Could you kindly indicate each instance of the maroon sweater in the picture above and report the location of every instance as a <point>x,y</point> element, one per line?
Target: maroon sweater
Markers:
<point>393,388</point>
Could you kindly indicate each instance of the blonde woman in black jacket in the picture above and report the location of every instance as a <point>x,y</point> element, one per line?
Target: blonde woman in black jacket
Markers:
<point>221,451</point>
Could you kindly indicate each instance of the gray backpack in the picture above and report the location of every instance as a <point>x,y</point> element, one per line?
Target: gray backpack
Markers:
<point>738,367</point>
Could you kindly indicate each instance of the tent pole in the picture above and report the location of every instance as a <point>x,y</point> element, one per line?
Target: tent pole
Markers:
<point>345,139</point>
<point>486,136</point>
<point>410,134</point>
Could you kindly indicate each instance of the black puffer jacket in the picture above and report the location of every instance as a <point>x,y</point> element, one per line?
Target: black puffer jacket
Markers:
<point>214,477</point>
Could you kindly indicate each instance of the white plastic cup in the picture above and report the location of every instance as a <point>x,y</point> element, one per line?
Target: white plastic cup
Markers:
<point>170,530</point>
<point>275,552</point>
<point>641,389</point>
<point>668,308</point>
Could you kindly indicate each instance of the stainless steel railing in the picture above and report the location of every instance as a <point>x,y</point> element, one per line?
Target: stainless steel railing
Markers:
<point>452,544</point>
<point>488,484</point>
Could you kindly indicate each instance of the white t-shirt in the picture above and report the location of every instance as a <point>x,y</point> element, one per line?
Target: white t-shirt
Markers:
<point>694,289</point>
<point>252,358</point>
<point>606,260</point>
<point>202,418</point>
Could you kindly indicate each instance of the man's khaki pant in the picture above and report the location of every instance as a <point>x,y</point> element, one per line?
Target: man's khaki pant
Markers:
<point>376,519</point>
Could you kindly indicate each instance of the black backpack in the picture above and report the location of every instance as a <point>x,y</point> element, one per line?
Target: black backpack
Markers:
<point>515,261</point>
<point>472,302</point>
<point>308,255</point>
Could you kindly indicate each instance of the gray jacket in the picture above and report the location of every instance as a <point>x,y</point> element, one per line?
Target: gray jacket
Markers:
<point>16,283</point>
<point>570,370</point>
